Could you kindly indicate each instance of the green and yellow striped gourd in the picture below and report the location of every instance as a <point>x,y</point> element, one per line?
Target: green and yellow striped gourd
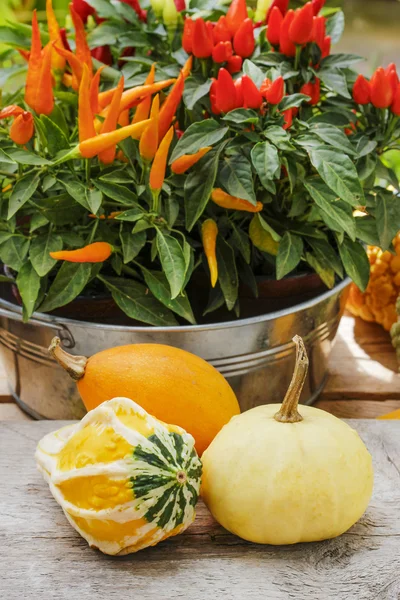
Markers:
<point>124,479</point>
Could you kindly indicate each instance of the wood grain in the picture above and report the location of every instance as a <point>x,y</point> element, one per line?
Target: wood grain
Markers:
<point>42,557</point>
<point>358,409</point>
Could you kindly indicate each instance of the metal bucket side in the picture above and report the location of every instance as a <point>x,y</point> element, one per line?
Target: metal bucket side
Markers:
<point>256,355</point>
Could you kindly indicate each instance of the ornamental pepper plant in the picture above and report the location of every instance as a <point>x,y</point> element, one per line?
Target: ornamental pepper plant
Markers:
<point>198,152</point>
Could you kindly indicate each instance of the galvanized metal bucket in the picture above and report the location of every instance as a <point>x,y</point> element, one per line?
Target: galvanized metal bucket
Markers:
<point>256,355</point>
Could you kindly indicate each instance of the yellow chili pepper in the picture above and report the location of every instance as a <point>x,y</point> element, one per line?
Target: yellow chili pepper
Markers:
<point>187,67</point>
<point>225,200</point>
<point>143,108</point>
<point>57,61</point>
<point>149,141</point>
<point>183,163</point>
<point>85,115</point>
<point>92,253</point>
<point>96,144</point>
<point>209,232</point>
<point>39,85</point>
<point>110,123</point>
<point>94,91</point>
<point>157,171</point>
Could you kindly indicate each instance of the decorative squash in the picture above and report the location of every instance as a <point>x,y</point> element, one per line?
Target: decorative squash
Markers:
<point>124,480</point>
<point>378,302</point>
<point>280,478</point>
<point>171,384</point>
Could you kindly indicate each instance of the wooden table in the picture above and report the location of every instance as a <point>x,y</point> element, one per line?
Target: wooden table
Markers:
<point>363,383</point>
<point>43,558</point>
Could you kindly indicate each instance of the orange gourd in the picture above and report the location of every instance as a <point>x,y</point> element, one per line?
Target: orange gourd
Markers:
<point>173,385</point>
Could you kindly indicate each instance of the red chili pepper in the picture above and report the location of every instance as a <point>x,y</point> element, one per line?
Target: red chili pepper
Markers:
<point>243,41</point>
<point>236,14</point>
<point>22,128</point>
<point>188,28</point>
<point>286,46</point>
<point>288,118</point>
<point>275,91</point>
<point>381,89</point>
<point>318,34</point>
<point>202,42</point>
<point>234,64</point>
<point>103,54</point>
<point>63,35</point>
<point>391,72</point>
<point>213,97</point>
<point>82,50</point>
<point>94,91</point>
<point>274,26</point>
<point>266,84</point>
<point>221,31</point>
<point>142,14</point>
<point>395,108</point>
<point>222,51</point>
<point>225,92</point>
<point>326,48</point>
<point>180,5</point>
<point>301,28</point>
<point>39,83</point>
<point>317,5</point>
<point>251,94</point>
<point>239,92</point>
<point>83,9</point>
<point>110,123</point>
<point>281,4</point>
<point>313,90</point>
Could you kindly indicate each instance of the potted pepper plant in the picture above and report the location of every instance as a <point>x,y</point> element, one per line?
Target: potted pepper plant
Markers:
<point>211,184</point>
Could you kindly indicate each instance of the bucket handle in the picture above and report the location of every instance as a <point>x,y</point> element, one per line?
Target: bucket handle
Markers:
<point>63,332</point>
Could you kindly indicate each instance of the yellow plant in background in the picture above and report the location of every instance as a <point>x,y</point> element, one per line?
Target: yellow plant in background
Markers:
<point>378,302</point>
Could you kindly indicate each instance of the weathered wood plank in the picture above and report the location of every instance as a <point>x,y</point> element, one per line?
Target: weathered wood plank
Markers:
<point>41,556</point>
<point>12,412</point>
<point>356,409</point>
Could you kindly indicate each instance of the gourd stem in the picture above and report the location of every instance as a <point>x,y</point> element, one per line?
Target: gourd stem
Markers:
<point>288,412</point>
<point>74,365</point>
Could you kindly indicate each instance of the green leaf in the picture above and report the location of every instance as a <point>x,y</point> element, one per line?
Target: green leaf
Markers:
<point>133,298</point>
<point>335,80</point>
<point>340,60</point>
<point>60,210</point>
<point>37,220</point>
<point>339,173</point>
<point>265,159</point>
<point>254,72</point>
<point>387,218</point>
<point>326,255</point>
<point>241,115</point>
<point>195,91</point>
<point>367,231</point>
<point>13,252</point>
<point>240,240</point>
<point>132,215</point>
<point>159,287</point>
<point>198,186</point>
<point>331,117</point>
<point>77,190</point>
<point>289,254</point>
<point>172,261</point>
<point>236,177</point>
<point>120,193</point>
<point>292,101</point>
<point>70,281</point>
<point>6,159</point>
<point>40,249</point>
<point>198,135</point>
<point>28,283</point>
<point>332,213</point>
<point>326,273</point>
<point>132,243</point>
<point>56,139</point>
<point>355,262</point>
<point>335,26</point>
<point>22,192</point>
<point>333,136</point>
<point>279,137</point>
<point>104,9</point>
<point>227,273</point>
<point>24,157</point>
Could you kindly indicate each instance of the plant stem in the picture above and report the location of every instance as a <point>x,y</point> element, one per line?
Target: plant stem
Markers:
<point>155,205</point>
<point>297,57</point>
<point>74,365</point>
<point>288,412</point>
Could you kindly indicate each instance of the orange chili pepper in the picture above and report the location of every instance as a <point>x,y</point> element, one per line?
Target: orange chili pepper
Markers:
<point>187,67</point>
<point>92,253</point>
<point>183,163</point>
<point>149,141</point>
<point>129,97</point>
<point>76,67</point>
<point>123,119</point>
<point>209,232</point>
<point>24,53</point>
<point>82,50</point>
<point>96,144</point>
<point>111,216</point>
<point>170,106</point>
<point>143,108</point>
<point>57,61</point>
<point>110,123</point>
<point>225,200</point>
<point>157,171</point>
<point>85,115</point>
<point>22,129</point>
<point>38,88</point>
<point>94,91</point>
